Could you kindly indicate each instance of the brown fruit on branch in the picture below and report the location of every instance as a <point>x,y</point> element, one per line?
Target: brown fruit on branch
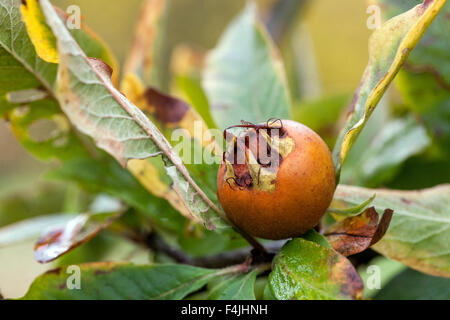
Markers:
<point>276,180</point>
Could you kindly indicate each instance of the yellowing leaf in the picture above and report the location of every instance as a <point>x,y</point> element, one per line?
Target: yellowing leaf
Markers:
<point>150,177</point>
<point>40,33</point>
<point>389,47</point>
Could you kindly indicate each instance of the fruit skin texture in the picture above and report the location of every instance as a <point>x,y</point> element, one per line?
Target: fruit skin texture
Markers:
<point>304,188</point>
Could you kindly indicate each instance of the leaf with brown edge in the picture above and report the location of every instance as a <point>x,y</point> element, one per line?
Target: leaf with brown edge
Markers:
<point>100,111</point>
<point>389,47</point>
<point>141,85</point>
<point>305,270</point>
<point>26,79</point>
<point>182,126</point>
<point>45,42</point>
<point>62,239</point>
<point>419,232</point>
<point>169,114</point>
<point>356,234</point>
<point>424,82</point>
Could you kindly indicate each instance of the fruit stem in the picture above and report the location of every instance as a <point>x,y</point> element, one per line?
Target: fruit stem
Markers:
<point>257,246</point>
<point>252,241</point>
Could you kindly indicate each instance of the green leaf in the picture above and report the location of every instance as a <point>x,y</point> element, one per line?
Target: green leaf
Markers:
<point>87,95</point>
<point>413,176</point>
<point>20,68</point>
<point>397,141</point>
<point>268,295</point>
<point>117,281</point>
<point>313,236</point>
<point>237,287</point>
<point>413,285</point>
<point>389,48</point>
<point>305,270</point>
<point>44,130</point>
<point>95,171</point>
<point>418,235</point>
<point>353,211</point>
<point>192,89</point>
<point>423,94</point>
<point>104,247</point>
<point>109,177</point>
<point>378,119</point>
<point>244,77</point>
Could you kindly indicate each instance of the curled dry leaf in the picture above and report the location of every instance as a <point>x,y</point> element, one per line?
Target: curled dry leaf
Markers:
<point>25,230</point>
<point>62,239</point>
<point>418,235</point>
<point>355,234</point>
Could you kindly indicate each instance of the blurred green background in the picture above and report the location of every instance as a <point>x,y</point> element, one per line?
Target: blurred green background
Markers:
<point>332,38</point>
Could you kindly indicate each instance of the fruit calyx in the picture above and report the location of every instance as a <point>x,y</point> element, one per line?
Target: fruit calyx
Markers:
<point>254,156</point>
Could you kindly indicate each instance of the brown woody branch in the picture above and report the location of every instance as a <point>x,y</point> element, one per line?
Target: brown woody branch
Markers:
<point>234,257</point>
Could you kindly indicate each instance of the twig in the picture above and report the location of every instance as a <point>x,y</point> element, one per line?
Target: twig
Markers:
<point>157,244</point>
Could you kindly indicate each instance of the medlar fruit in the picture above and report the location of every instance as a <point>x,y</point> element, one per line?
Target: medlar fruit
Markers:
<point>276,180</point>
